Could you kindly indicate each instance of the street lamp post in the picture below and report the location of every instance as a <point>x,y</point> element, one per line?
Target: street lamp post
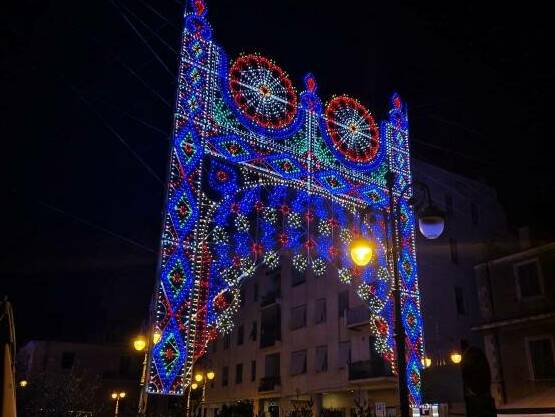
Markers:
<point>140,344</point>
<point>431,223</point>
<point>118,396</point>
<point>200,378</point>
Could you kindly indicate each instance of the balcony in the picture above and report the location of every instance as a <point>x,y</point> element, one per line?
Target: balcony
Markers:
<point>270,298</point>
<point>269,383</point>
<point>358,317</point>
<point>375,368</point>
<point>270,326</point>
<point>270,337</point>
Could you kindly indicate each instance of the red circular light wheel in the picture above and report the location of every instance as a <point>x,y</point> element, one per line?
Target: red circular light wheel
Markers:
<point>352,130</point>
<point>263,92</point>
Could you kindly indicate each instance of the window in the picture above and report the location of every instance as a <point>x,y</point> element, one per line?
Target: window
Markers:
<point>240,335</point>
<point>255,292</point>
<point>298,362</point>
<point>459,301</point>
<point>448,203</point>
<point>297,277</point>
<point>67,360</point>
<point>474,214</point>
<point>540,353</point>
<point>528,279</point>
<point>272,363</point>
<point>274,276</point>
<point>320,311</point>
<point>242,296</point>
<point>254,330</point>
<point>239,373</point>
<point>454,251</point>
<point>270,326</point>
<point>298,317</point>
<point>253,370</point>
<point>225,376</point>
<point>344,354</point>
<point>227,341</point>
<point>342,302</point>
<point>321,359</point>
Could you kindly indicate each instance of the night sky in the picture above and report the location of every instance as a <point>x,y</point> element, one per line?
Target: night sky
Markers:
<point>88,90</point>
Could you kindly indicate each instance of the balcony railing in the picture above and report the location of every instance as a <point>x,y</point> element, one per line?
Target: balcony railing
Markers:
<point>269,383</point>
<point>270,298</point>
<point>358,316</point>
<point>374,368</point>
<point>270,336</point>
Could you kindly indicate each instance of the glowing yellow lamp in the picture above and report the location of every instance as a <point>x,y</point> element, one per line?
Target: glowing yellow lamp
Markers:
<point>114,395</point>
<point>456,357</point>
<point>194,385</point>
<point>198,377</point>
<point>426,362</point>
<point>156,336</point>
<point>210,375</point>
<point>122,394</point>
<point>361,251</point>
<point>139,343</point>
<point>23,383</point>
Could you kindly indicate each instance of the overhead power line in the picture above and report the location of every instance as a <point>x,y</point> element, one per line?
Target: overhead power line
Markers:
<point>160,15</point>
<point>142,38</point>
<point>138,119</point>
<point>117,135</point>
<point>147,27</point>
<point>95,226</point>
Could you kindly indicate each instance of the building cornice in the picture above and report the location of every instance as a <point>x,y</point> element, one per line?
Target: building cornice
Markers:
<point>511,322</point>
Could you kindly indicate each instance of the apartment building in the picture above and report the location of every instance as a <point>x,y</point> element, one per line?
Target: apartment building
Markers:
<point>302,340</point>
<point>517,303</point>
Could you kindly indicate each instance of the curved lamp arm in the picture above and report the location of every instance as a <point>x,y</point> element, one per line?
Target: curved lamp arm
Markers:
<point>390,179</point>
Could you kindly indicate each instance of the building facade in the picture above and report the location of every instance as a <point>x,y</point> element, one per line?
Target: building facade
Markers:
<point>475,231</point>
<point>305,340</point>
<point>77,378</point>
<point>517,304</point>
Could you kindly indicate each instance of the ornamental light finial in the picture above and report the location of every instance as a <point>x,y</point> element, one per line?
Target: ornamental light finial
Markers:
<point>200,7</point>
<point>310,83</point>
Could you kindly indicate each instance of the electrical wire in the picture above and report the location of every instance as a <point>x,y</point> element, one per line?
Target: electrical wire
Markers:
<point>146,26</point>
<point>160,15</point>
<point>117,135</point>
<point>95,226</point>
<point>142,38</point>
<point>139,120</point>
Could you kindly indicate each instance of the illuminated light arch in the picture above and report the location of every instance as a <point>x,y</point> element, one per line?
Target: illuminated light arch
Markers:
<point>258,171</point>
